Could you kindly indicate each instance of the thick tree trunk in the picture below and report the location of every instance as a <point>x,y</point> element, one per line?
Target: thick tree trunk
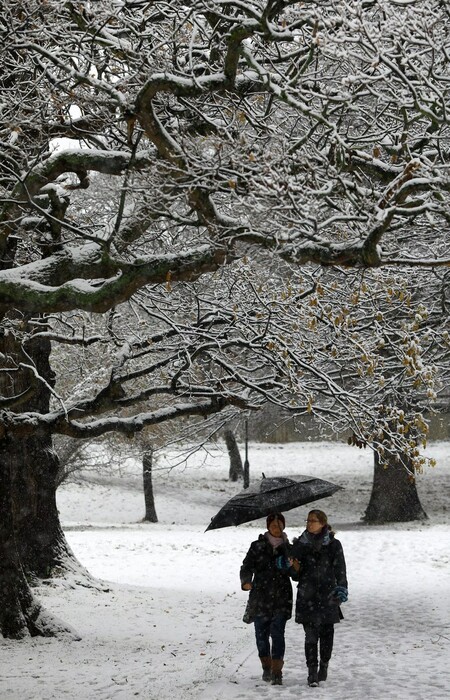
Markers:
<point>236,470</point>
<point>150,511</point>
<point>394,495</point>
<point>15,594</point>
<point>31,539</point>
<point>20,613</point>
<point>42,545</point>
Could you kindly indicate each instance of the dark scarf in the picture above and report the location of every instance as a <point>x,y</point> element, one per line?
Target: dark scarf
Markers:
<point>317,541</point>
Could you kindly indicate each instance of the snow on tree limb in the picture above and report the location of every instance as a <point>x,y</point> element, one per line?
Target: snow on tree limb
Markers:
<point>31,287</point>
<point>220,152</point>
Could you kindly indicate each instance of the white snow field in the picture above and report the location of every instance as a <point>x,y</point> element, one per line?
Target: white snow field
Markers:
<point>169,626</point>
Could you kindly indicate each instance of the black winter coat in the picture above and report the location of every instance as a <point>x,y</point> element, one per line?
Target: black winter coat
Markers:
<point>322,568</point>
<point>272,589</point>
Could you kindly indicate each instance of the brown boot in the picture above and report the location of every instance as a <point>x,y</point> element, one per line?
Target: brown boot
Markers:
<point>266,663</point>
<point>277,676</point>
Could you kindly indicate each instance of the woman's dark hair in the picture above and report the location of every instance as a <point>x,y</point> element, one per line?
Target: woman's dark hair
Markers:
<point>275,516</point>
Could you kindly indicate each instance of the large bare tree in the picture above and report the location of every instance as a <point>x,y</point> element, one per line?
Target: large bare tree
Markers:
<point>251,142</point>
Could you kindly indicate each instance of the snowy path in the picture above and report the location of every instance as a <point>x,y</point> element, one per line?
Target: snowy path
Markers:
<point>170,627</point>
<point>185,632</point>
<point>395,640</point>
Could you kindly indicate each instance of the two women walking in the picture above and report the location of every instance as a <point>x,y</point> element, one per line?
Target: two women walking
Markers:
<point>316,560</point>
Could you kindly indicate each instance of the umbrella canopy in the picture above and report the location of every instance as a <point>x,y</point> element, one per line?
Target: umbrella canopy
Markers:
<point>271,495</point>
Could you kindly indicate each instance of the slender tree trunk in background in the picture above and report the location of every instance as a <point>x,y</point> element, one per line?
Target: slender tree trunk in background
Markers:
<point>236,470</point>
<point>246,462</point>
<point>394,495</point>
<point>150,511</point>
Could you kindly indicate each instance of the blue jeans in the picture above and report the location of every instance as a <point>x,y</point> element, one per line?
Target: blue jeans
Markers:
<point>270,627</point>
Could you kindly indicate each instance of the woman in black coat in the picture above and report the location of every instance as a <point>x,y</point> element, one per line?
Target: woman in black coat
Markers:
<point>318,559</point>
<point>265,572</point>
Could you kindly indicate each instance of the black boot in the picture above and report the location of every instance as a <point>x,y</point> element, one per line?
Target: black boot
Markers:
<point>323,671</point>
<point>313,676</point>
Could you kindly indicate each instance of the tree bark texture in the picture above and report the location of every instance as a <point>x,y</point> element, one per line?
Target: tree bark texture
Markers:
<point>236,470</point>
<point>150,510</point>
<point>394,495</point>
<point>40,539</point>
<point>15,594</point>
<point>34,465</point>
<point>32,542</point>
<point>21,615</point>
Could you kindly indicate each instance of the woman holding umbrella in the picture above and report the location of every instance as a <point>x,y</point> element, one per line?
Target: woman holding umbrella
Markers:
<point>265,572</point>
<point>318,559</point>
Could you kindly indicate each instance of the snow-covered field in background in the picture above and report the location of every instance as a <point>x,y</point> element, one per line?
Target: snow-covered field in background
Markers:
<point>169,626</point>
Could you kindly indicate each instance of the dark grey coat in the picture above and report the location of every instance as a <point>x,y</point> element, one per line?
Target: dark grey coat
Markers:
<point>322,567</point>
<point>272,589</point>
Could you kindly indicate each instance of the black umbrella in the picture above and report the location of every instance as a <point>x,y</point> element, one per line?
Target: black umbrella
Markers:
<point>271,495</point>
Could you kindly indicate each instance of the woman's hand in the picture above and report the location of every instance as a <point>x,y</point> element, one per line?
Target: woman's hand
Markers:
<point>295,564</point>
<point>247,586</point>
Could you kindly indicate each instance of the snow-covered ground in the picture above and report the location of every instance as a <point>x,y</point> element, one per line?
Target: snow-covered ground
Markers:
<point>169,626</point>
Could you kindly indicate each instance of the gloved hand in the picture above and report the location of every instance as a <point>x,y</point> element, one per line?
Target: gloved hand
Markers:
<point>340,593</point>
<point>281,562</point>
